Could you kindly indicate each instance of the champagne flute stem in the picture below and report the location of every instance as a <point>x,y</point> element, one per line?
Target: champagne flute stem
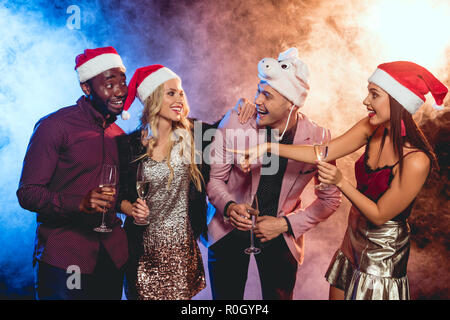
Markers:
<point>103,218</point>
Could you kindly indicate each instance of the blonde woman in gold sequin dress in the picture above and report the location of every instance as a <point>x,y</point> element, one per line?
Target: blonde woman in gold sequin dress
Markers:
<point>165,260</point>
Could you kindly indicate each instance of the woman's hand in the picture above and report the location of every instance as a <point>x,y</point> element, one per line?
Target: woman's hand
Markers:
<point>140,211</point>
<point>245,109</point>
<point>249,156</point>
<point>329,174</point>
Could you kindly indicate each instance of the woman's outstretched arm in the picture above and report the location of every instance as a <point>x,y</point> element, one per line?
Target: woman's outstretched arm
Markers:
<point>339,147</point>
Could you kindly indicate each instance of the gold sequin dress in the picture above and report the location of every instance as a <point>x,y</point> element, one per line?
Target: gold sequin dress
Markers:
<point>171,267</point>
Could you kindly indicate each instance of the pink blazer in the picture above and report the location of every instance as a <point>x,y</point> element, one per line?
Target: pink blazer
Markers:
<point>229,183</point>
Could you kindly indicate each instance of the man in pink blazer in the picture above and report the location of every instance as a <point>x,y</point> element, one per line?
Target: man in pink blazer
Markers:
<point>277,183</point>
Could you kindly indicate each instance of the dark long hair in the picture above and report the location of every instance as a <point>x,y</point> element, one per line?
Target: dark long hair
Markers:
<point>414,135</point>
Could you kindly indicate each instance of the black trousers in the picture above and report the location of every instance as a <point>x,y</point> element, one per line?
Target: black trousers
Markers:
<point>105,283</point>
<point>228,267</point>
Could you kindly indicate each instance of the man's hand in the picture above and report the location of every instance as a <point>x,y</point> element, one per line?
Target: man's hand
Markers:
<point>97,200</point>
<point>240,216</point>
<point>268,227</point>
<point>245,109</point>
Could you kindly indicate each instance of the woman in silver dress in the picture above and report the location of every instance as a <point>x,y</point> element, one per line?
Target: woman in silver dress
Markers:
<point>165,261</point>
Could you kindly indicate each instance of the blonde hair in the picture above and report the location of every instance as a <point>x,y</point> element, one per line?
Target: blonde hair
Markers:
<point>181,130</point>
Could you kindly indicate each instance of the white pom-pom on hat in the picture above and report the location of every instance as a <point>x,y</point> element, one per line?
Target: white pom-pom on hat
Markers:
<point>125,115</point>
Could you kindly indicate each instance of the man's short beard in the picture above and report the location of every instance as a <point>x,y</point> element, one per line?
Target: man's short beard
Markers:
<point>99,104</point>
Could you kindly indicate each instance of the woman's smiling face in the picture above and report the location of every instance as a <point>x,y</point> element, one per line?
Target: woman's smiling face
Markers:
<point>174,103</point>
<point>377,103</point>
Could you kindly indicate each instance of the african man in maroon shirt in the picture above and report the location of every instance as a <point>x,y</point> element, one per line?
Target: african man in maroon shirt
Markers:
<point>60,182</point>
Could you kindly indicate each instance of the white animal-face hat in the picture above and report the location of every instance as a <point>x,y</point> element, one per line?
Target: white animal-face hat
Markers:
<point>288,75</point>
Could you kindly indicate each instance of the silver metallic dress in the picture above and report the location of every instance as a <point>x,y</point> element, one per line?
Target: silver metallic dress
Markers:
<point>371,263</point>
<point>171,267</point>
<point>372,260</point>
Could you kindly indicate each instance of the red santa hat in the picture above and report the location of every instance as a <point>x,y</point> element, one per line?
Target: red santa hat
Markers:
<point>95,61</point>
<point>144,81</point>
<point>408,83</point>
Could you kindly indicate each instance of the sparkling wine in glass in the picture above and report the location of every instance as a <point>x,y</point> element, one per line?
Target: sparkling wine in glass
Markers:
<point>321,151</point>
<point>108,178</point>
<point>142,188</point>
<point>252,248</point>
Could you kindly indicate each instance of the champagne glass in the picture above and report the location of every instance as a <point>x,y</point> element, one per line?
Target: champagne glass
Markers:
<point>252,248</point>
<point>142,188</point>
<point>321,151</point>
<point>108,178</point>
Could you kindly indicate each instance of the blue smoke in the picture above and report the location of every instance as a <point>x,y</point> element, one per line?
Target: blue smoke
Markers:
<point>37,66</point>
<point>37,52</point>
<point>36,61</point>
